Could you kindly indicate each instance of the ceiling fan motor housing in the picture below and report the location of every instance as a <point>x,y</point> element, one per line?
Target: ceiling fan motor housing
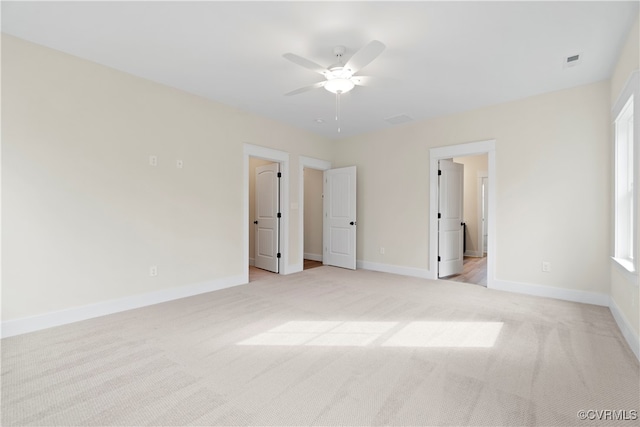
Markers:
<point>339,51</point>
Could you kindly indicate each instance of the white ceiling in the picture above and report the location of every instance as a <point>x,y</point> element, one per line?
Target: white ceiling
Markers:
<point>441,57</point>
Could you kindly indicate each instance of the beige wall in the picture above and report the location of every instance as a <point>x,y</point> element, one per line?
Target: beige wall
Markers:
<point>552,194</point>
<point>471,203</point>
<point>84,216</point>
<point>624,292</point>
<point>313,212</point>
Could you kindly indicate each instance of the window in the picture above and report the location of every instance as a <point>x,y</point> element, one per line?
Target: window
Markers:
<point>625,251</point>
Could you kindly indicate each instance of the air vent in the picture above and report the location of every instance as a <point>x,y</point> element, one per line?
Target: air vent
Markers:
<point>396,120</point>
<point>573,60</point>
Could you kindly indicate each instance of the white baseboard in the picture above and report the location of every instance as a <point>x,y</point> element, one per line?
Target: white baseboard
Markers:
<point>395,269</point>
<point>584,297</point>
<point>56,318</point>
<point>474,254</point>
<point>252,261</point>
<point>313,257</point>
<point>627,331</point>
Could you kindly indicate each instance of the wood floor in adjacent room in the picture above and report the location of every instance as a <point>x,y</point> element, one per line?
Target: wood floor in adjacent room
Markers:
<point>474,270</point>
<point>309,263</point>
<point>326,346</point>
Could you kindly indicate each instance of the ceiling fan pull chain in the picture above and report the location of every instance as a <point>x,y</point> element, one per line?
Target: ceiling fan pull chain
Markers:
<point>338,109</point>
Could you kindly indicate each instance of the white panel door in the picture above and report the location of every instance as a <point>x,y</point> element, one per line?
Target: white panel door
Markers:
<point>339,225</point>
<point>450,229</point>
<point>267,221</point>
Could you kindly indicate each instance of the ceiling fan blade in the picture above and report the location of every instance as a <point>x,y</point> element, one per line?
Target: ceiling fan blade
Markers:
<point>364,56</point>
<point>305,63</point>
<point>306,88</point>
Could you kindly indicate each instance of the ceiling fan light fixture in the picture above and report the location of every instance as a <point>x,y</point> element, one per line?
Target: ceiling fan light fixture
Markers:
<point>339,85</point>
<point>339,76</point>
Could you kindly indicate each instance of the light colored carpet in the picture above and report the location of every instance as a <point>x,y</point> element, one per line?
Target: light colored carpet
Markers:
<point>327,347</point>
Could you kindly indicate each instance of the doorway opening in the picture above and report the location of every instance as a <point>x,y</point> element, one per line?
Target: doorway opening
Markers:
<point>311,211</point>
<point>478,224</point>
<point>313,181</point>
<point>475,219</point>
<point>276,234</point>
<point>339,219</point>
<point>264,217</point>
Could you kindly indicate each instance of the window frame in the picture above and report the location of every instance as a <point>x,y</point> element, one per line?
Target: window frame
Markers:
<point>627,263</point>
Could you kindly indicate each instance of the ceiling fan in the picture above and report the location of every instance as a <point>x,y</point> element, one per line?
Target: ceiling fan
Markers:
<point>340,77</point>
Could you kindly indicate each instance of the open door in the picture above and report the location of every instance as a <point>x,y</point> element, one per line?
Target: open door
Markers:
<point>450,228</point>
<point>267,216</point>
<point>339,225</point>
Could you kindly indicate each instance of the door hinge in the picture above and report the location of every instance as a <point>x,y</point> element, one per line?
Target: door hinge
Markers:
<point>439,258</point>
<point>278,255</point>
<point>279,174</point>
<point>439,215</point>
<point>279,215</point>
<point>439,172</point>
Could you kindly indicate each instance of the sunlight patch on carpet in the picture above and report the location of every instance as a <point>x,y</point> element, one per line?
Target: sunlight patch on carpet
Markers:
<point>446,334</point>
<point>322,333</point>
<point>359,334</point>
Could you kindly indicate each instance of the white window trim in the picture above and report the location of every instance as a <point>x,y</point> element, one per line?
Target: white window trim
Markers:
<point>628,267</point>
<point>626,270</point>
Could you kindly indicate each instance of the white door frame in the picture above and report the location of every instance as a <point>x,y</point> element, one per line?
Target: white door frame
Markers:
<point>311,163</point>
<point>277,156</point>
<point>448,152</point>
<point>481,176</point>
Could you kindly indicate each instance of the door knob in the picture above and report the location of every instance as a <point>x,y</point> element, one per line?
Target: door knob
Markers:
<point>255,222</point>
<point>352,223</point>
